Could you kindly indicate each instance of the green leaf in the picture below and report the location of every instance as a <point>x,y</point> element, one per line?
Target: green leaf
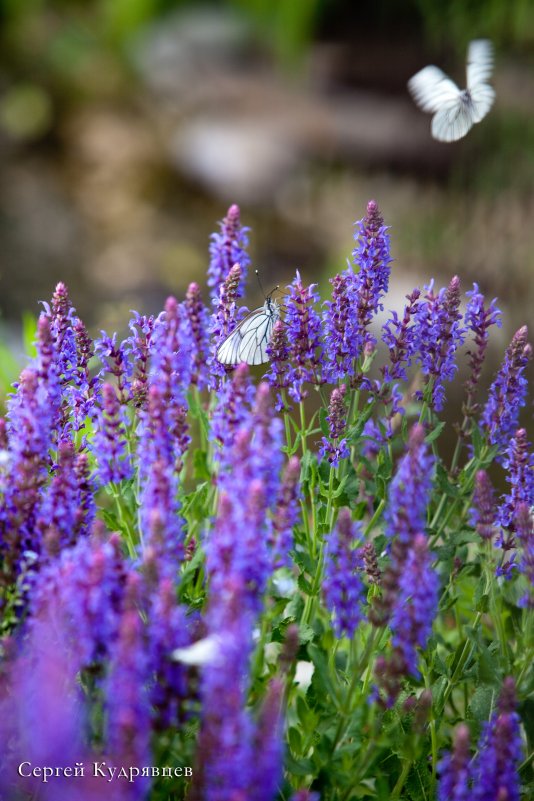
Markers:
<point>321,672</point>
<point>29,334</point>
<point>201,469</point>
<point>323,422</point>
<point>435,433</point>
<point>482,703</point>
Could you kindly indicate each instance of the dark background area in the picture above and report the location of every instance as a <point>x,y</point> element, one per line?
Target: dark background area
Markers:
<point>127,127</point>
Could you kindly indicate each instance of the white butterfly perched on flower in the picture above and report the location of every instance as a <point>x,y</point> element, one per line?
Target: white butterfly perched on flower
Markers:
<point>248,342</point>
<point>456,110</point>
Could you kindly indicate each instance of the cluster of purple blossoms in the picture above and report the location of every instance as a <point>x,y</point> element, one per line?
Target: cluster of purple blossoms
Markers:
<point>139,346</point>
<point>342,586</point>
<point>63,323</point>
<point>454,769</point>
<point>161,525</point>
<point>478,319</point>
<point>114,358</point>
<point>303,327</point>
<point>233,407</point>
<point>342,347</point>
<point>128,712</point>
<point>401,338</point>
<point>483,511</point>
<point>508,392</point>
<point>223,321</point>
<point>439,336</point>
<point>197,316</point>
<point>278,353</point>
<point>286,514</point>
<point>239,757</point>
<point>524,528</point>
<point>409,584</point>
<point>410,489</point>
<point>519,463</point>
<point>249,485</point>
<point>85,584</point>
<point>493,774</point>
<point>416,604</point>
<point>356,297</point>
<point>227,248</point>
<point>114,463</point>
<point>335,447</point>
<point>372,258</point>
<point>42,718</point>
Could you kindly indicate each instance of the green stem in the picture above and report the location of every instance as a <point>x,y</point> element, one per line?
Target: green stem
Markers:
<point>401,780</point>
<point>124,523</point>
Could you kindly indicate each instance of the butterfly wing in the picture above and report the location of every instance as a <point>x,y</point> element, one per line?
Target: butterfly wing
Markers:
<point>479,63</point>
<point>248,342</point>
<point>479,69</point>
<point>432,89</point>
<point>453,121</point>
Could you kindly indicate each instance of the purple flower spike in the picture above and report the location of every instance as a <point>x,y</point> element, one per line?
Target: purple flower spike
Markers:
<point>439,337</point>
<point>170,372</point>
<point>161,524</point>
<point>342,587</point>
<point>171,355</point>
<point>61,315</point>
<point>226,249</point>
<point>83,385</point>
<point>400,336</point>
<point>224,319</point>
<point>139,347</point>
<point>225,747</point>
<point>127,702</point>
<point>336,448</point>
<point>416,604</point>
<point>483,511</point>
<point>114,462</point>
<point>233,407</point>
<point>478,319</point>
<point>30,432</point>
<point>168,630</point>
<point>342,347</point>
<point>454,772</point>
<point>508,392</point>
<point>303,326</point>
<point>520,475</point>
<point>198,321</point>
<point>286,513</point>
<point>409,493</point>
<point>278,353</point>
<point>410,489</point>
<point>58,514</point>
<point>42,717</point>
<point>114,358</point>
<point>87,583</point>
<point>500,752</point>
<point>520,467</point>
<point>372,258</point>
<point>269,747</point>
<point>524,527</point>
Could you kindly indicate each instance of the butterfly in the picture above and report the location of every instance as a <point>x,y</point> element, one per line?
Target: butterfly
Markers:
<point>456,110</point>
<point>249,340</point>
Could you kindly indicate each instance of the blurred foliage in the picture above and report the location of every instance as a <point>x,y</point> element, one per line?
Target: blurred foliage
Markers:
<point>506,22</point>
<point>11,362</point>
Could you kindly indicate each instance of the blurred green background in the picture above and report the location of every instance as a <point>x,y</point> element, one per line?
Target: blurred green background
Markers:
<point>127,127</point>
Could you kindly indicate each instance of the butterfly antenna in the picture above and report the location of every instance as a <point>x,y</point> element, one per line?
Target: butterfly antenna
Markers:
<point>260,283</point>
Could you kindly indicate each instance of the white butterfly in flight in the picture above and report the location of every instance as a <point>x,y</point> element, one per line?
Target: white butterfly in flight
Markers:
<point>249,340</point>
<point>456,110</point>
